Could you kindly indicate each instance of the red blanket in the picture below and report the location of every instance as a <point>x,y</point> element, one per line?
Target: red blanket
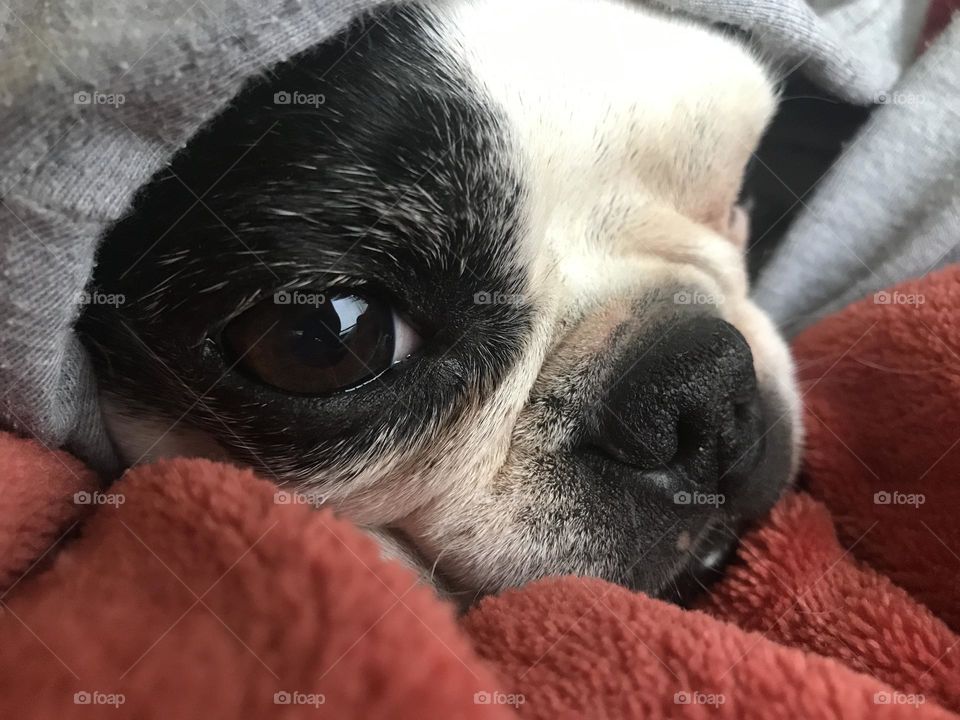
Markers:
<point>188,590</point>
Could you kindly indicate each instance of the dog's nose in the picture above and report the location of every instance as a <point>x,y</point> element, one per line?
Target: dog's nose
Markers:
<point>688,405</point>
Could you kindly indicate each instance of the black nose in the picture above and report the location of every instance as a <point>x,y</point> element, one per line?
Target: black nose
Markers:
<point>688,405</point>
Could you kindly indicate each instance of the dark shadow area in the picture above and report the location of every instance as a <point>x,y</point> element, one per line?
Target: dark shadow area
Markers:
<point>808,134</point>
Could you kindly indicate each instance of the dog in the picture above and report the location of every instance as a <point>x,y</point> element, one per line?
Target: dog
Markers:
<point>472,274</point>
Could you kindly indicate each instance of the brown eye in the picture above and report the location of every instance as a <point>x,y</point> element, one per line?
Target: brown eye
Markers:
<point>313,343</point>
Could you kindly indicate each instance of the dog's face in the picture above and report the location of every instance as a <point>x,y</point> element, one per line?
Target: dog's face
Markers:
<point>469,274</point>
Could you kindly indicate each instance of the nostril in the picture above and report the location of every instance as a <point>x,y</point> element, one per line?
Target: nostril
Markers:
<point>691,440</point>
<point>650,448</point>
<point>698,446</point>
<point>722,436</point>
<point>745,443</point>
<point>741,411</point>
<point>746,412</point>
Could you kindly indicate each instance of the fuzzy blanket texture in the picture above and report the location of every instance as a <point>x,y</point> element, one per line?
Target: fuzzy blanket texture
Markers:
<point>192,589</point>
<point>97,95</point>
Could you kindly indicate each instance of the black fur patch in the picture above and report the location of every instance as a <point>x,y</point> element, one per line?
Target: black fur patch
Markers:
<point>385,169</point>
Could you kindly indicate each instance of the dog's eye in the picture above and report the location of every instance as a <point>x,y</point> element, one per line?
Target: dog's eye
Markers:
<point>317,343</point>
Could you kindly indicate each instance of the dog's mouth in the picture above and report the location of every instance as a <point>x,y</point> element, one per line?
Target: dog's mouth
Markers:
<point>701,562</point>
<point>704,561</point>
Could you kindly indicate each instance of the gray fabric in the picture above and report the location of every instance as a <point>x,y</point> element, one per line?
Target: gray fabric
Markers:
<point>884,30</point>
<point>68,169</point>
<point>792,34</point>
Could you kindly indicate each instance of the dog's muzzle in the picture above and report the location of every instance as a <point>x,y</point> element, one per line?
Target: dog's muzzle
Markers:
<point>684,430</point>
